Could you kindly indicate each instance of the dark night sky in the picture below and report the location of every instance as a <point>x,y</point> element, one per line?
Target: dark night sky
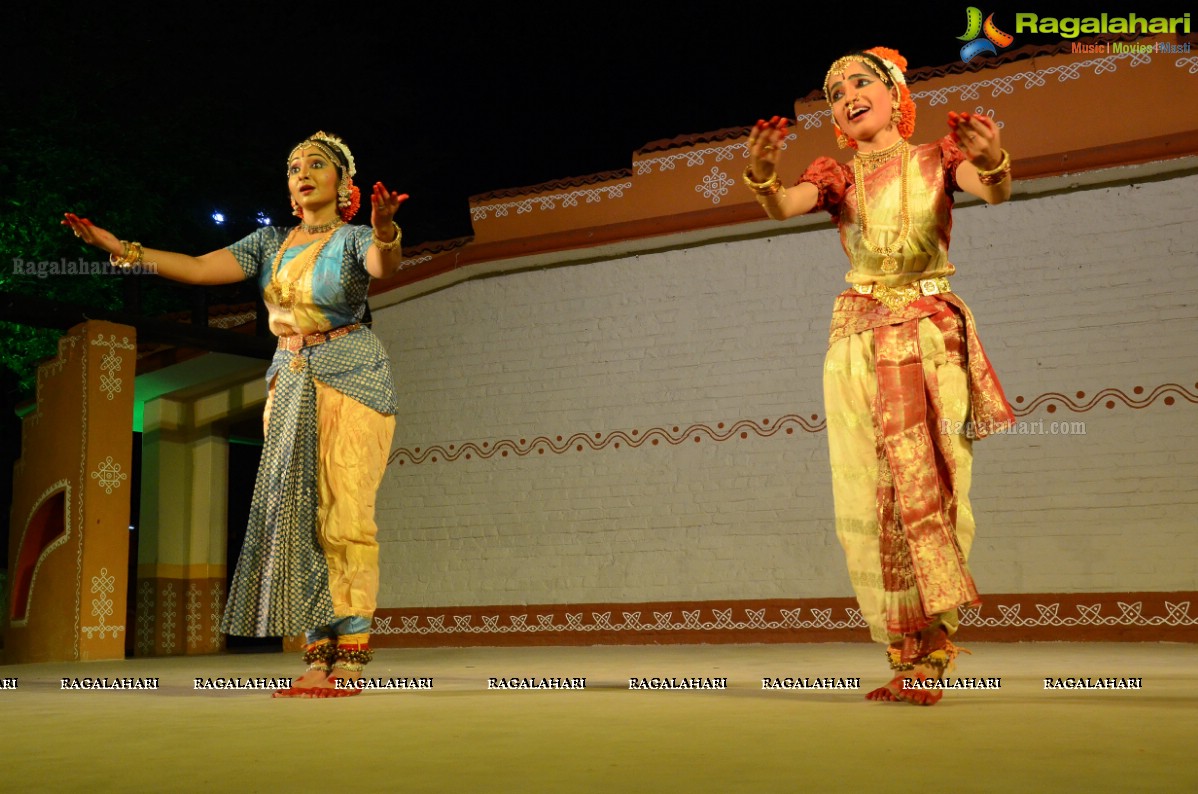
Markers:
<point>445,100</point>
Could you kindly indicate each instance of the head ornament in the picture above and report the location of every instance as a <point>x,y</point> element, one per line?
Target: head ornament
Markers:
<point>336,152</point>
<point>889,67</point>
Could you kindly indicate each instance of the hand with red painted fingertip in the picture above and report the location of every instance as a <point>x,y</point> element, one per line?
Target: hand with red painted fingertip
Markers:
<point>383,206</point>
<point>765,147</point>
<point>978,137</point>
<point>91,234</point>
<point>954,120</point>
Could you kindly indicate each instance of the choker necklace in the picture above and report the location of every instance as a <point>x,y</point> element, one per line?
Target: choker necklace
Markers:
<point>888,252</point>
<point>880,154</point>
<point>322,228</point>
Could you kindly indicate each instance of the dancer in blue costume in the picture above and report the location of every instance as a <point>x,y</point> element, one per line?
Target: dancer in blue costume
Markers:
<point>310,559</point>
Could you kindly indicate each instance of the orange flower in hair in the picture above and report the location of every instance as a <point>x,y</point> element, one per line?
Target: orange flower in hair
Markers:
<point>348,202</point>
<point>890,55</point>
<point>906,125</point>
<point>906,105</point>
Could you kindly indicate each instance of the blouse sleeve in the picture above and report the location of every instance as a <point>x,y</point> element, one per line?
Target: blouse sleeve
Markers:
<point>360,238</point>
<point>829,179</point>
<point>250,252</point>
<point>950,157</point>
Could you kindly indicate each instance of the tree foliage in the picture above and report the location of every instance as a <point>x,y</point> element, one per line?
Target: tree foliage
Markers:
<point>139,186</point>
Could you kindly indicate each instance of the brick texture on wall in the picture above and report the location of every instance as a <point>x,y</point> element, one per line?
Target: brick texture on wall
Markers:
<point>650,427</point>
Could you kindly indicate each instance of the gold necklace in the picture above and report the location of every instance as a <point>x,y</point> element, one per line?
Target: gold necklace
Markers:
<point>889,263</point>
<point>288,291</point>
<point>881,154</point>
<point>322,228</point>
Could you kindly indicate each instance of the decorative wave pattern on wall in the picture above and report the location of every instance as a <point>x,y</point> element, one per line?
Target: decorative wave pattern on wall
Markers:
<point>697,433</point>
<point>617,439</point>
<point>567,199</point>
<point>968,92</point>
<point>563,620</point>
<point>686,620</point>
<point>1050,616</point>
<point>698,157</point>
<point>1166,393</point>
<point>415,260</point>
<point>1006,84</point>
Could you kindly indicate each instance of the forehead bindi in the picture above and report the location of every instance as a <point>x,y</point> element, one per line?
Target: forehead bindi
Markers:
<point>856,73</point>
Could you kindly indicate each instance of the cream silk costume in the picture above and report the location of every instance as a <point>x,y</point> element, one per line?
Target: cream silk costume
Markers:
<point>904,372</point>
<point>311,556</point>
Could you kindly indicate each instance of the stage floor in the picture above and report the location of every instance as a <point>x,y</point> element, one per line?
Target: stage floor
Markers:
<point>460,736</point>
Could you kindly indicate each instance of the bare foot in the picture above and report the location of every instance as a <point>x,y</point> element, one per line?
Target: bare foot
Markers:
<point>917,693</point>
<point>300,687</point>
<point>921,691</point>
<point>923,651</point>
<point>335,686</point>
<point>889,693</point>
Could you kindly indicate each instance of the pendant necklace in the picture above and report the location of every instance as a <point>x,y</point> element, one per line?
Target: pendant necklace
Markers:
<point>288,291</point>
<point>888,252</point>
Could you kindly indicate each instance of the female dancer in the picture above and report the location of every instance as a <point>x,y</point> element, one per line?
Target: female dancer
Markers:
<point>310,559</point>
<point>905,371</point>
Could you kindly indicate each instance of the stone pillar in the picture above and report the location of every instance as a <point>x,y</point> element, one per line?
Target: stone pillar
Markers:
<point>69,544</point>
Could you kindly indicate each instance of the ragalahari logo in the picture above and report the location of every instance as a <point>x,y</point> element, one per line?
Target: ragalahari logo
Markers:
<point>975,46</point>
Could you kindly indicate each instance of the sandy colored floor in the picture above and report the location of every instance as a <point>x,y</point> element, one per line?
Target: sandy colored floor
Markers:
<point>460,737</point>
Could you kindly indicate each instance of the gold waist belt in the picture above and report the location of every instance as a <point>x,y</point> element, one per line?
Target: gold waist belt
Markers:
<point>297,342</point>
<point>897,298</point>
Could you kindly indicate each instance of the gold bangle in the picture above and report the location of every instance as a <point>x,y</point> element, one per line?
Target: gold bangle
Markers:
<point>130,255</point>
<point>767,188</point>
<point>383,245</point>
<point>118,260</point>
<point>996,175</point>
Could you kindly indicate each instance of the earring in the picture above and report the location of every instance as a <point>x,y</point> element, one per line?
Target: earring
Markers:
<point>349,198</point>
<point>295,209</point>
<point>896,115</point>
<point>842,140</point>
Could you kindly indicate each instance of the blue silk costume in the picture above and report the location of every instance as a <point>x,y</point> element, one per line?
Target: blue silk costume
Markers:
<point>281,584</point>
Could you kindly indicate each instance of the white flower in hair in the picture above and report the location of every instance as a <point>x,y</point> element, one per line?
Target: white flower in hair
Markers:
<point>333,140</point>
<point>896,74</point>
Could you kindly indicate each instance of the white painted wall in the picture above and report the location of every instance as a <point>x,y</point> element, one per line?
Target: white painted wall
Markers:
<point>1082,290</point>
